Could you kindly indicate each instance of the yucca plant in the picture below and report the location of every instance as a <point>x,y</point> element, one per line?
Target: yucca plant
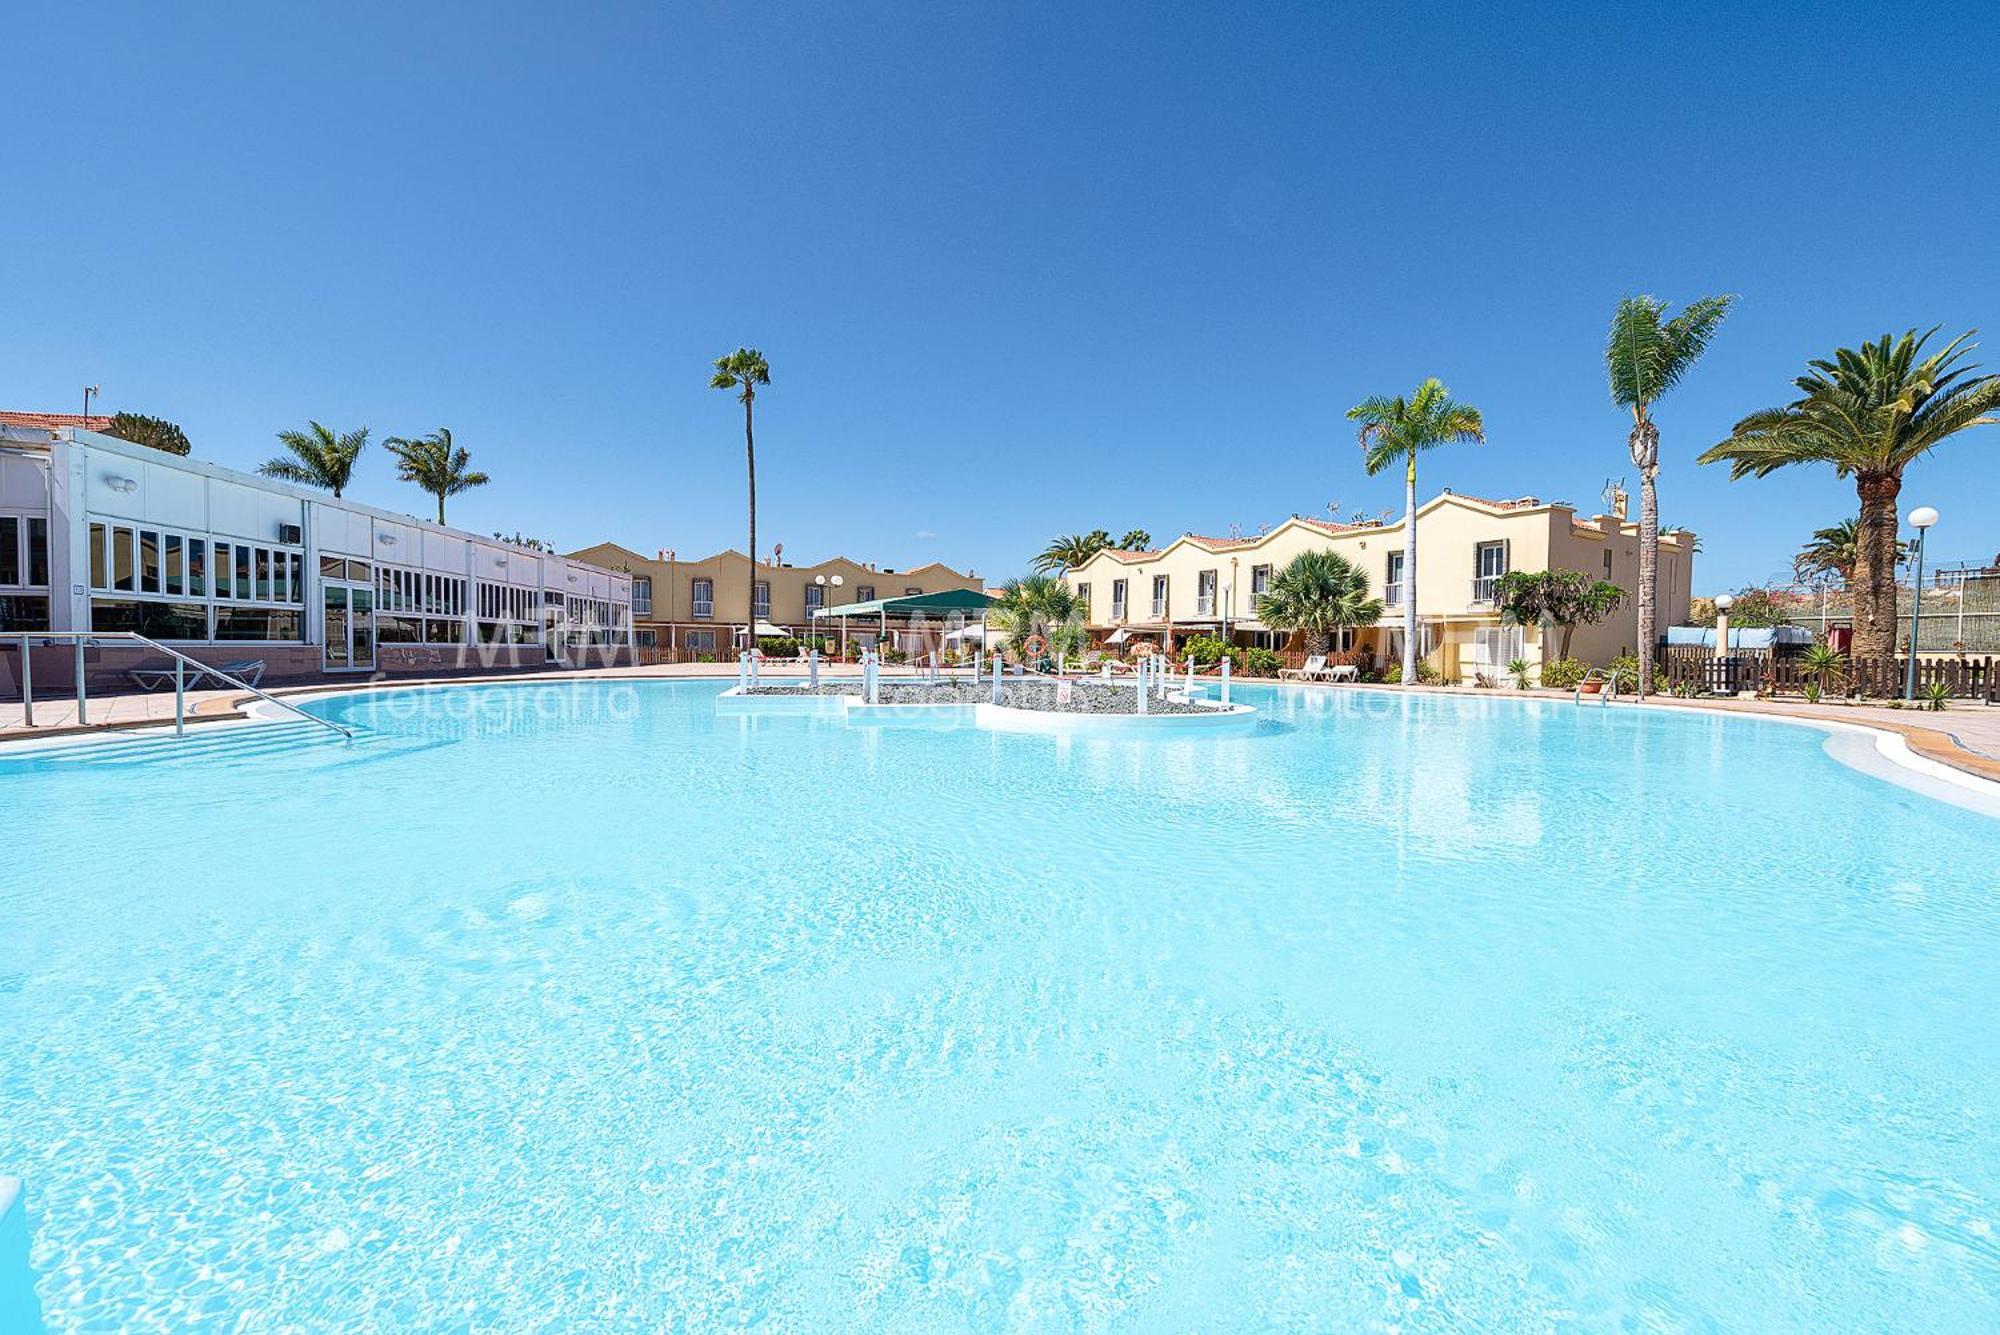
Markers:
<point>1936,696</point>
<point>1824,662</point>
<point>1518,669</point>
<point>1646,356</point>
<point>1869,413</point>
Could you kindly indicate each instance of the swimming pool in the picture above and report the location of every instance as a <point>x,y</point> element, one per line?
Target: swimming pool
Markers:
<point>585,1006</point>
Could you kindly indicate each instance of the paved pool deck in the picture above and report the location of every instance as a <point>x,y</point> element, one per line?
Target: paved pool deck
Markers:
<point>1966,736</point>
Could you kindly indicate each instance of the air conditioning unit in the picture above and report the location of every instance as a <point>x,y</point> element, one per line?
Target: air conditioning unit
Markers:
<point>290,533</point>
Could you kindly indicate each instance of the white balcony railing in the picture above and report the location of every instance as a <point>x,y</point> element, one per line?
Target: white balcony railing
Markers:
<point>1117,611</point>
<point>1392,597</point>
<point>703,610</point>
<point>1484,589</point>
<point>1159,609</point>
<point>1204,605</point>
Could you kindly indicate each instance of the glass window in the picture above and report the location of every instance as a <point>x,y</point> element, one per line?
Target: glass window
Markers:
<point>20,611</point>
<point>154,620</point>
<point>1392,581</point>
<point>197,568</point>
<point>815,598</point>
<point>865,594</point>
<point>149,561</point>
<point>333,567</point>
<point>438,630</point>
<point>704,598</point>
<point>1260,580</point>
<point>295,571</point>
<point>176,566</point>
<point>257,623</point>
<point>760,598</point>
<point>264,593</point>
<point>100,576</point>
<point>1083,596</point>
<point>642,595</point>
<point>124,572</point>
<point>222,585</point>
<point>10,550</point>
<point>1117,600</point>
<point>244,563</point>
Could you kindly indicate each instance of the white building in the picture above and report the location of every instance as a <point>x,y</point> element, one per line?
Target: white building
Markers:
<point>97,533</point>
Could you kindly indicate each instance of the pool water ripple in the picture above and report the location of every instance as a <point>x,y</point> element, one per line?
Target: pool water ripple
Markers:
<point>600,1011</point>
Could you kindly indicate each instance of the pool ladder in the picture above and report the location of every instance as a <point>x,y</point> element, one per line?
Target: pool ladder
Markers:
<point>1604,696</point>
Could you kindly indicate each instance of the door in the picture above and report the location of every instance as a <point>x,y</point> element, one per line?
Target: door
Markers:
<point>349,626</point>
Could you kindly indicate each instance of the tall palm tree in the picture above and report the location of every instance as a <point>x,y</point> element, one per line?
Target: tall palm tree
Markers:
<point>1830,551</point>
<point>1647,356</point>
<point>1135,540</point>
<point>1870,413</point>
<point>1317,594</point>
<point>435,464</point>
<point>1398,430</point>
<point>1039,605</point>
<point>320,457</point>
<point>743,370</point>
<point>1071,551</point>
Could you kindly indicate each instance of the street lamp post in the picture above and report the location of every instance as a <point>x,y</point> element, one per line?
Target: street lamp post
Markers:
<point>89,391</point>
<point>1921,519</point>
<point>1725,680</point>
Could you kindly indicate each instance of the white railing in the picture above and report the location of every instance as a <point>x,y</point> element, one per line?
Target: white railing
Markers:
<point>84,638</point>
<point>1204,605</point>
<point>703,611</point>
<point>1159,609</point>
<point>1485,589</point>
<point>1117,611</point>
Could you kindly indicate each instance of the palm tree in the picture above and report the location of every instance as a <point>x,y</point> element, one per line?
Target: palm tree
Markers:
<point>1318,593</point>
<point>1830,551</point>
<point>320,457</point>
<point>1039,605</point>
<point>1646,357</point>
<point>1135,540</point>
<point>1400,429</point>
<point>743,370</point>
<point>1870,413</point>
<point>435,464</point>
<point>1068,553</point>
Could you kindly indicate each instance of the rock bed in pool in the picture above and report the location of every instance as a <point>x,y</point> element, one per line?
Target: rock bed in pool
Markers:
<point>1087,696</point>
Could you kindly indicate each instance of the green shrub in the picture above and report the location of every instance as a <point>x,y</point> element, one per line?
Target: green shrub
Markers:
<point>1624,671</point>
<point>1520,670</point>
<point>1262,662</point>
<point>777,646</point>
<point>1207,649</point>
<point>1564,673</point>
<point>1426,674</point>
<point>1937,696</point>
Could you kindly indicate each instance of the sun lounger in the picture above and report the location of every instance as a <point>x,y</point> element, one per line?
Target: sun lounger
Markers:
<point>1343,672</point>
<point>249,670</point>
<point>1313,669</point>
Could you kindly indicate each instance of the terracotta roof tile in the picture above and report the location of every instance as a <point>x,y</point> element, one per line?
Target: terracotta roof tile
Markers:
<point>56,421</point>
<point>1518,503</point>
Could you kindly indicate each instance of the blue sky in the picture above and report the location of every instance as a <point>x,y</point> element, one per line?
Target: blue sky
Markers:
<point>1020,269</point>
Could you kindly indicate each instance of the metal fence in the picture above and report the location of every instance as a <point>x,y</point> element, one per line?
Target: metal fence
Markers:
<point>1961,611</point>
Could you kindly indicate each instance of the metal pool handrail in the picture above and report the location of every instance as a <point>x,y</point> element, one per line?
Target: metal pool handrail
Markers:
<point>182,663</point>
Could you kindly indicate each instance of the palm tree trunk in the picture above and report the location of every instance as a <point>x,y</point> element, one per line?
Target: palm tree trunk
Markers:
<point>1875,567</point>
<point>1410,572</point>
<point>750,592</point>
<point>440,509</point>
<point>1644,443</point>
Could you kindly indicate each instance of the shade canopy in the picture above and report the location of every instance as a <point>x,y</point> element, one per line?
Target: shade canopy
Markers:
<point>767,631</point>
<point>963,601</point>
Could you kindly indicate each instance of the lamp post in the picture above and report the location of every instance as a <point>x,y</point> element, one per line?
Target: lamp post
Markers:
<point>89,391</point>
<point>1723,676</point>
<point>1921,519</point>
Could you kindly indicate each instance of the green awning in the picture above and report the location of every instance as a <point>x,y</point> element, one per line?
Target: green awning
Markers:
<point>967,602</point>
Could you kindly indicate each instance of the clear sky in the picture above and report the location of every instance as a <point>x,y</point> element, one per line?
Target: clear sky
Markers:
<point>1020,269</point>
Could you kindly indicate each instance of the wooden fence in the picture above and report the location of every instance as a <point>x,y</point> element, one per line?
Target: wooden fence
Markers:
<point>1882,678</point>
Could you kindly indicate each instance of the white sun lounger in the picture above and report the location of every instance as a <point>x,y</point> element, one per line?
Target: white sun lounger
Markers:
<point>249,670</point>
<point>1314,669</point>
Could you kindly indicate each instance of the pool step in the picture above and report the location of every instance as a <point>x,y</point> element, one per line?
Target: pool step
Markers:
<point>233,742</point>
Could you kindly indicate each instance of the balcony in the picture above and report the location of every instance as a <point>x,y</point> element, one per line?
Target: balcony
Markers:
<point>1485,590</point>
<point>1204,605</point>
<point>1392,597</point>
<point>1159,609</point>
<point>1117,611</point>
<point>704,609</point>
<point>762,611</point>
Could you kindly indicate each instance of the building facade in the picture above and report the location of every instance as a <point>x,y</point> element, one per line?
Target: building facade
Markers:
<point>699,607</point>
<point>1201,585</point>
<point>102,534</point>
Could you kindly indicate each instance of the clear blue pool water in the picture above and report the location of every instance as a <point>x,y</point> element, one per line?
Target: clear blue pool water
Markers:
<point>583,1008</point>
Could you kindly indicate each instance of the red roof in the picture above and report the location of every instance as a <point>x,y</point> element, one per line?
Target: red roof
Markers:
<point>1518,503</point>
<point>56,421</point>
